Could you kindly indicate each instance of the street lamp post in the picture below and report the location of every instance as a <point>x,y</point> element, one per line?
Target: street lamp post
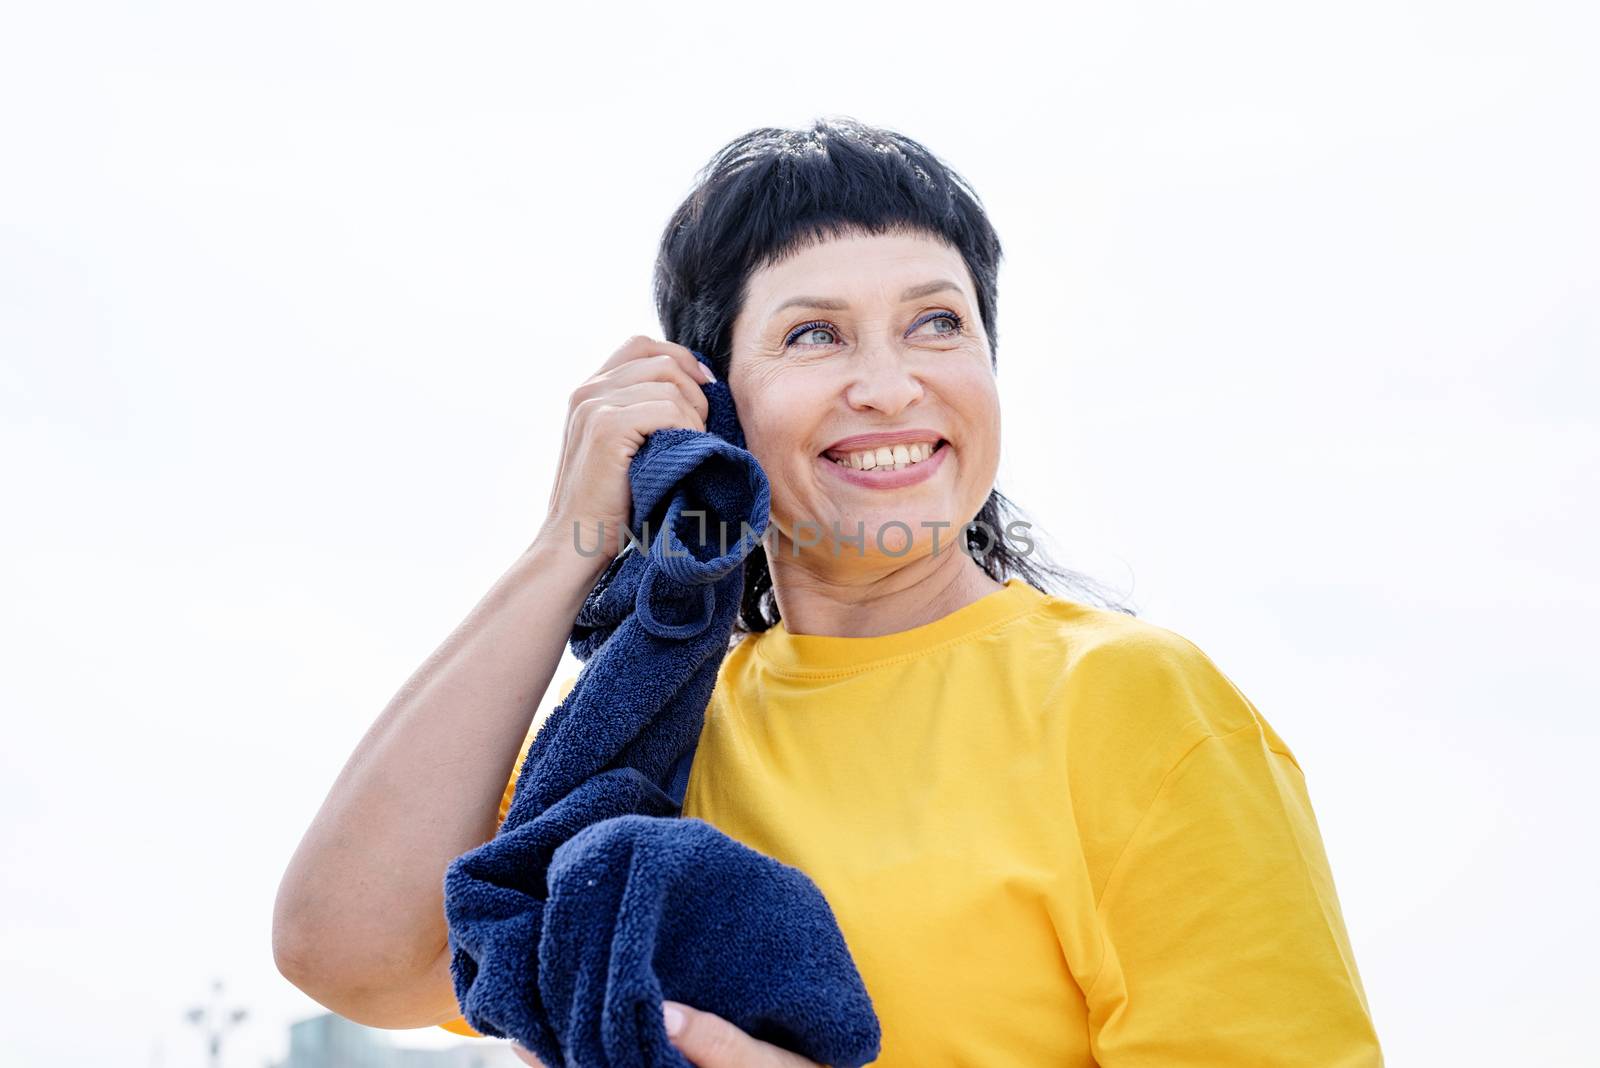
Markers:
<point>214,1022</point>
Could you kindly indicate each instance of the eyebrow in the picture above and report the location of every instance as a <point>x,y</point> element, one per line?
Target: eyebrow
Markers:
<point>833,304</point>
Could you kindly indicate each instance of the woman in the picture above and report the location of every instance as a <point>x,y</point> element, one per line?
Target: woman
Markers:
<point>1052,834</point>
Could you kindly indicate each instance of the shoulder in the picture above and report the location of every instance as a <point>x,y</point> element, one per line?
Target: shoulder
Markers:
<point>1134,682</point>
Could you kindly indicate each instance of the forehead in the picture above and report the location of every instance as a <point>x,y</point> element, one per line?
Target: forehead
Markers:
<point>857,267</point>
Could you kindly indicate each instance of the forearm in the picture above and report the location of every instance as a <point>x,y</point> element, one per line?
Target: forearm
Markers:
<point>361,903</point>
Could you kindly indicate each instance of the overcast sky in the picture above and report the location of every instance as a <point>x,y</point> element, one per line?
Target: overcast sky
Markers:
<point>1298,350</point>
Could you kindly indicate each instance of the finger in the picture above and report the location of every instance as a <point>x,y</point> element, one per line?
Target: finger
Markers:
<point>712,1042</point>
<point>707,1039</point>
<point>643,407</point>
<point>657,368</point>
<point>661,367</point>
<point>642,345</point>
<point>526,1056</point>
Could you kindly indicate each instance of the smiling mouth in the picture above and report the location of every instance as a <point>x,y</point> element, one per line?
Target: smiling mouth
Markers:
<point>887,457</point>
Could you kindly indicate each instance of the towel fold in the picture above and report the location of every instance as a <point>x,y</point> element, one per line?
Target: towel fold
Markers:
<point>596,900</point>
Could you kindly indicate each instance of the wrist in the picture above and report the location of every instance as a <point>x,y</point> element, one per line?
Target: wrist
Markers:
<point>574,547</point>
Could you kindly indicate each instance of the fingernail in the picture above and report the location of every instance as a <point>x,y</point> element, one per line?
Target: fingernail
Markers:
<point>672,1017</point>
<point>706,373</point>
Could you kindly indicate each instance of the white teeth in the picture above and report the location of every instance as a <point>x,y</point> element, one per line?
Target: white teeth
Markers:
<point>888,458</point>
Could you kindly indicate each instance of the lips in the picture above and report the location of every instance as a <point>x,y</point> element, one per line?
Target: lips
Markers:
<point>884,456</point>
<point>894,475</point>
<point>890,438</point>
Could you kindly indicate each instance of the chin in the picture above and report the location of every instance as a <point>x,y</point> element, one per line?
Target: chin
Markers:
<point>923,527</point>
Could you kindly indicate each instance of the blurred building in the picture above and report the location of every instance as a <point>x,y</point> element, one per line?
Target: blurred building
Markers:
<point>331,1041</point>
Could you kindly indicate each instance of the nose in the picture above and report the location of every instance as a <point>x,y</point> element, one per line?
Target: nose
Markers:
<point>882,379</point>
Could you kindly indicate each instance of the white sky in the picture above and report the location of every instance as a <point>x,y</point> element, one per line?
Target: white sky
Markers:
<point>1298,338</point>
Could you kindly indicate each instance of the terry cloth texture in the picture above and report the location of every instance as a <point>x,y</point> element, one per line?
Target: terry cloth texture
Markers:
<point>596,899</point>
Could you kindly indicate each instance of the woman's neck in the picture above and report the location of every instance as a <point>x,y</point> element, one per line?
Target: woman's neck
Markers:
<point>865,603</point>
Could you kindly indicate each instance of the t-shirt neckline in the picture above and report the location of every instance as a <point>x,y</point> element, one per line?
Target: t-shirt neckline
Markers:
<point>823,654</point>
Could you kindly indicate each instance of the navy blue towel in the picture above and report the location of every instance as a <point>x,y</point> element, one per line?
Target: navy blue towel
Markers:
<point>597,899</point>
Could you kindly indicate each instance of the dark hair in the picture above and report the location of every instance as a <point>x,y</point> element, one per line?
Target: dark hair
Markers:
<point>772,192</point>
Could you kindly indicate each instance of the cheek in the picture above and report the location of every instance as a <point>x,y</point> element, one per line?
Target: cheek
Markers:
<point>781,457</point>
<point>776,432</point>
<point>975,402</point>
<point>771,442</point>
<point>763,431</point>
<point>977,407</point>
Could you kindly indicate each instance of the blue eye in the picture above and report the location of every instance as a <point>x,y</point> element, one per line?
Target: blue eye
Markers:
<point>952,318</point>
<point>955,320</point>
<point>800,331</point>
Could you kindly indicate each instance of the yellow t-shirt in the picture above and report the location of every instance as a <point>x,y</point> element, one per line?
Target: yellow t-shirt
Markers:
<point>1052,834</point>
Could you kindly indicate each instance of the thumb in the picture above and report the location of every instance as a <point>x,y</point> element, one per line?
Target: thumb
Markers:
<point>704,1037</point>
<point>709,1041</point>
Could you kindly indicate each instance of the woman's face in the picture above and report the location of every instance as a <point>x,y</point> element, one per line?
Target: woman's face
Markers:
<point>870,368</point>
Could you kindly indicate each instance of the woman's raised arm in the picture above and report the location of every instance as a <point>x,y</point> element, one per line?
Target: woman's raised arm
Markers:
<point>359,919</point>
<point>360,910</point>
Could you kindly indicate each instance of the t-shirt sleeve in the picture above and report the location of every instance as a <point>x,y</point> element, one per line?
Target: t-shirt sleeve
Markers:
<point>1224,944</point>
<point>458,1024</point>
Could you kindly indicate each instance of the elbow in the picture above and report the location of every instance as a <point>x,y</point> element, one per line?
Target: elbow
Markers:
<point>352,964</point>
<point>293,948</point>
<point>338,990</point>
<point>314,945</point>
<point>388,1000</point>
<point>293,918</point>
<point>300,967</point>
<point>307,950</point>
<point>375,989</point>
<point>309,956</point>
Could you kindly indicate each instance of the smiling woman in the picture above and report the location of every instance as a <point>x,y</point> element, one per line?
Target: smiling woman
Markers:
<point>1051,833</point>
<point>833,408</point>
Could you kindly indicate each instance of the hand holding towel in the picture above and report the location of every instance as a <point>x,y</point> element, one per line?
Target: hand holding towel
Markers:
<point>596,900</point>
